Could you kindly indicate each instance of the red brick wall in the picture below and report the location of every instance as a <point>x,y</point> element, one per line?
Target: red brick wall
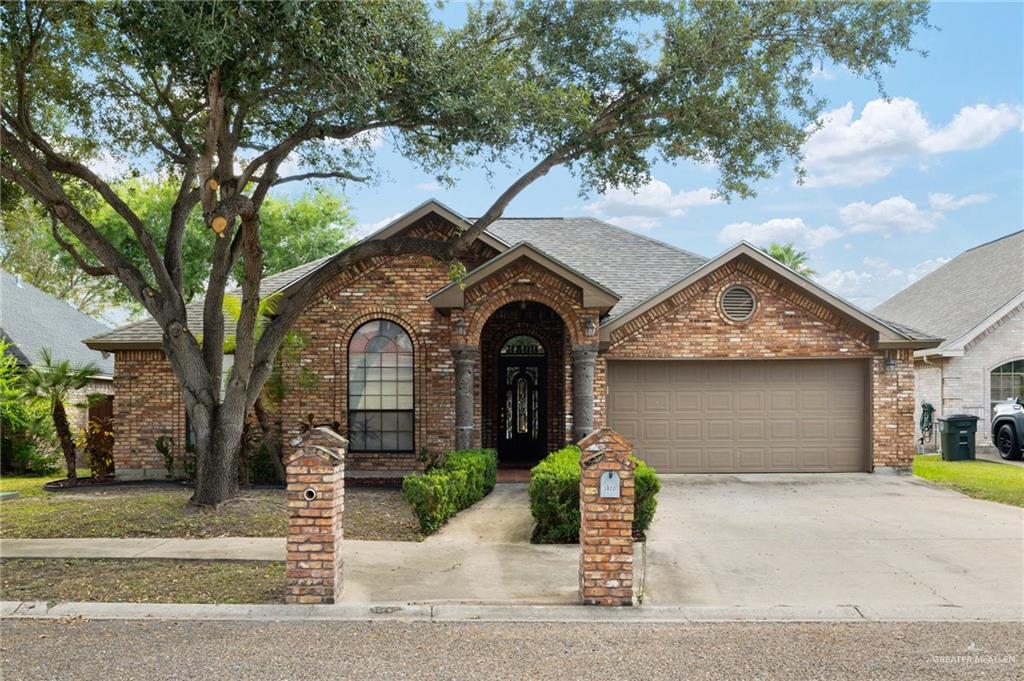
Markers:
<point>786,324</point>
<point>383,288</point>
<point>147,404</point>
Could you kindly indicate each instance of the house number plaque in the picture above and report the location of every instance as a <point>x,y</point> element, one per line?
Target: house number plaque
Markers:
<point>611,485</point>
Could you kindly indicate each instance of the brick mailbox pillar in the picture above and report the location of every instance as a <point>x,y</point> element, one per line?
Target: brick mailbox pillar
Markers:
<point>607,495</point>
<point>316,498</point>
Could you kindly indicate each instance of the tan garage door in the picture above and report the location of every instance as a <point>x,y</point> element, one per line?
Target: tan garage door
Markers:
<point>744,416</point>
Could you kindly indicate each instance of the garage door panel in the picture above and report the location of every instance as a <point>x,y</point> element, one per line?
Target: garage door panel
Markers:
<point>718,401</point>
<point>750,429</point>
<point>736,416</point>
<point>626,401</point>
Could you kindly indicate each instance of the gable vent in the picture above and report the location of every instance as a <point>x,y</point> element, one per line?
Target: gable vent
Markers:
<point>738,303</point>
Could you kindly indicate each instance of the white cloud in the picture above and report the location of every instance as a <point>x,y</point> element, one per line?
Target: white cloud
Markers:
<point>973,127</point>
<point>895,214</point>
<point>108,167</point>
<point>779,230</point>
<point>849,151</point>
<point>877,281</point>
<point>645,208</point>
<point>364,229</point>
<point>947,202</point>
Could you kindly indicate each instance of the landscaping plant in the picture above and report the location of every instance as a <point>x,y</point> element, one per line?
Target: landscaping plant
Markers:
<point>54,382</point>
<point>555,497</point>
<point>464,478</point>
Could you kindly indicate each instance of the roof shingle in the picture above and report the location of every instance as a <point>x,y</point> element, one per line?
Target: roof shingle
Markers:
<point>963,293</point>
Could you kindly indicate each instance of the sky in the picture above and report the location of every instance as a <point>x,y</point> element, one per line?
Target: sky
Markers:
<point>894,188</point>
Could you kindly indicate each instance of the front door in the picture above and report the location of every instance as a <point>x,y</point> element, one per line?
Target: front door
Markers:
<point>522,426</point>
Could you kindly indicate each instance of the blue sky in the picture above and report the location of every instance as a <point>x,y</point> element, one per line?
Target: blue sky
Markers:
<point>895,188</point>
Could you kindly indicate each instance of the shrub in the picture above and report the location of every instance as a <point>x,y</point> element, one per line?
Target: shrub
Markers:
<point>464,478</point>
<point>646,487</point>
<point>555,497</point>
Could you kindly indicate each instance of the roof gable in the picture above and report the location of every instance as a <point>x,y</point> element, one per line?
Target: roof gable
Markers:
<point>32,319</point>
<point>454,294</point>
<point>965,296</point>
<point>887,335</point>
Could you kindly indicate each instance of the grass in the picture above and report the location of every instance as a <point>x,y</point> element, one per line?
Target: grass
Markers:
<point>978,479</point>
<point>138,581</point>
<point>160,511</point>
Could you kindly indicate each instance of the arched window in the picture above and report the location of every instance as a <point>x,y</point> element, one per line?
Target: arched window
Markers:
<point>1007,381</point>
<point>380,388</point>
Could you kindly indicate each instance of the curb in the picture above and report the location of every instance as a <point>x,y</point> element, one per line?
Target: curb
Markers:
<point>457,612</point>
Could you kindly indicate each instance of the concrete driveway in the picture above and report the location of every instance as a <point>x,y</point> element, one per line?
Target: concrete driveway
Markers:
<point>822,540</point>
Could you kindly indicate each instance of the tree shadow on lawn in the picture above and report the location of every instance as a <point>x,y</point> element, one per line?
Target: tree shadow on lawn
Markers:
<point>159,511</point>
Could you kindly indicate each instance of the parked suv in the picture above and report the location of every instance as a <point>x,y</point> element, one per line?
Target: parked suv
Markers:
<point>1008,427</point>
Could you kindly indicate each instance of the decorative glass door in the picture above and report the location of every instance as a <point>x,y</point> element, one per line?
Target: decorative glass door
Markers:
<point>522,436</point>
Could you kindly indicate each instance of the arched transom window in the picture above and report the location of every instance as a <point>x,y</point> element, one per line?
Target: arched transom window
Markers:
<point>380,388</point>
<point>1007,381</point>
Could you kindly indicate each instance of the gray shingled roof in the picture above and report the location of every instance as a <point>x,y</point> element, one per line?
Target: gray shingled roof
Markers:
<point>32,320</point>
<point>631,265</point>
<point>963,293</point>
<point>635,267</point>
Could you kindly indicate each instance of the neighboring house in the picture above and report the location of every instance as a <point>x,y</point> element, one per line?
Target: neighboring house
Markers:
<point>734,364</point>
<point>32,320</point>
<point>976,303</point>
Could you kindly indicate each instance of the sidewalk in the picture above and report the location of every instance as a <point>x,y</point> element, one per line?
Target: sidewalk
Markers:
<point>437,570</point>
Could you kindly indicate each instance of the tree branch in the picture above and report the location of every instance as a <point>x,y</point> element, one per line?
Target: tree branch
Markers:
<point>338,175</point>
<point>94,270</point>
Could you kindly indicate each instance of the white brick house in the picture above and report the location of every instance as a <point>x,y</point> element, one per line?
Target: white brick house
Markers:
<point>976,303</point>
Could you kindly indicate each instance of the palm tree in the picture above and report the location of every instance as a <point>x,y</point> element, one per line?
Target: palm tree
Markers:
<point>55,381</point>
<point>791,257</point>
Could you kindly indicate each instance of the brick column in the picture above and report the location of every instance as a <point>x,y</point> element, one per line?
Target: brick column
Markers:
<point>606,519</point>
<point>465,363</point>
<point>316,498</point>
<point>584,359</point>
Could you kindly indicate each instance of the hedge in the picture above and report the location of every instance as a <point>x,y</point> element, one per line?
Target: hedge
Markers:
<point>465,477</point>
<point>555,497</point>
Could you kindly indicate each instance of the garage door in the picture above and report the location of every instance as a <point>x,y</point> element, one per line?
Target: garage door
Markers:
<point>747,416</point>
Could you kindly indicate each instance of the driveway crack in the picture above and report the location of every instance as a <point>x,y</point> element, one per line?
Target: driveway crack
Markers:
<point>926,585</point>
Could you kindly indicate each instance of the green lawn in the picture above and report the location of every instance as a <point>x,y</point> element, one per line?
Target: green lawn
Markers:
<point>978,479</point>
<point>161,511</point>
<point>141,581</point>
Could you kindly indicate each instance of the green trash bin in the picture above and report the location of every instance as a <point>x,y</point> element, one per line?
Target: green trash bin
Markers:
<point>957,434</point>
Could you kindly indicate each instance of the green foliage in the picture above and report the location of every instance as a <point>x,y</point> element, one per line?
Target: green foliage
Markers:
<point>465,477</point>
<point>555,497</point>
<point>295,231</point>
<point>165,445</point>
<point>646,486</point>
<point>28,442</point>
<point>791,257</point>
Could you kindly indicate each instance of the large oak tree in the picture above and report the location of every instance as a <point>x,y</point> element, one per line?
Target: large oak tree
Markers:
<point>221,95</point>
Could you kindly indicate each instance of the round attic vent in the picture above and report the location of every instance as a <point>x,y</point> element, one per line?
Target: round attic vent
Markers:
<point>738,303</point>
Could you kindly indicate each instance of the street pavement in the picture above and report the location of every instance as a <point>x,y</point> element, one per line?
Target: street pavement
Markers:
<point>76,649</point>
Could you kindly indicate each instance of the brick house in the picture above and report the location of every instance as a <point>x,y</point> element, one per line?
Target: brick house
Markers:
<point>562,325</point>
<point>976,303</point>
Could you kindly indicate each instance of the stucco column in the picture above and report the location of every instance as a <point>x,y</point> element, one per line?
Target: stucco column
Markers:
<point>465,362</point>
<point>584,359</point>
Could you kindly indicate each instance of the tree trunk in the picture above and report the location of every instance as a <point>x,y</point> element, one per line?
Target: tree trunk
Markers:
<point>67,442</point>
<point>270,437</point>
<point>218,445</point>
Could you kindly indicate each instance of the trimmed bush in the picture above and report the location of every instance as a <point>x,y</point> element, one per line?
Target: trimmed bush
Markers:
<point>465,477</point>
<point>555,497</point>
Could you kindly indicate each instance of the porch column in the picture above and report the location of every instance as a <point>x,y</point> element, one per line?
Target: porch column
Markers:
<point>465,362</point>
<point>584,359</point>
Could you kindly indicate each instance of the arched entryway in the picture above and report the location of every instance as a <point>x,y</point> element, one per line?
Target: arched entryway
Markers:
<point>523,360</point>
